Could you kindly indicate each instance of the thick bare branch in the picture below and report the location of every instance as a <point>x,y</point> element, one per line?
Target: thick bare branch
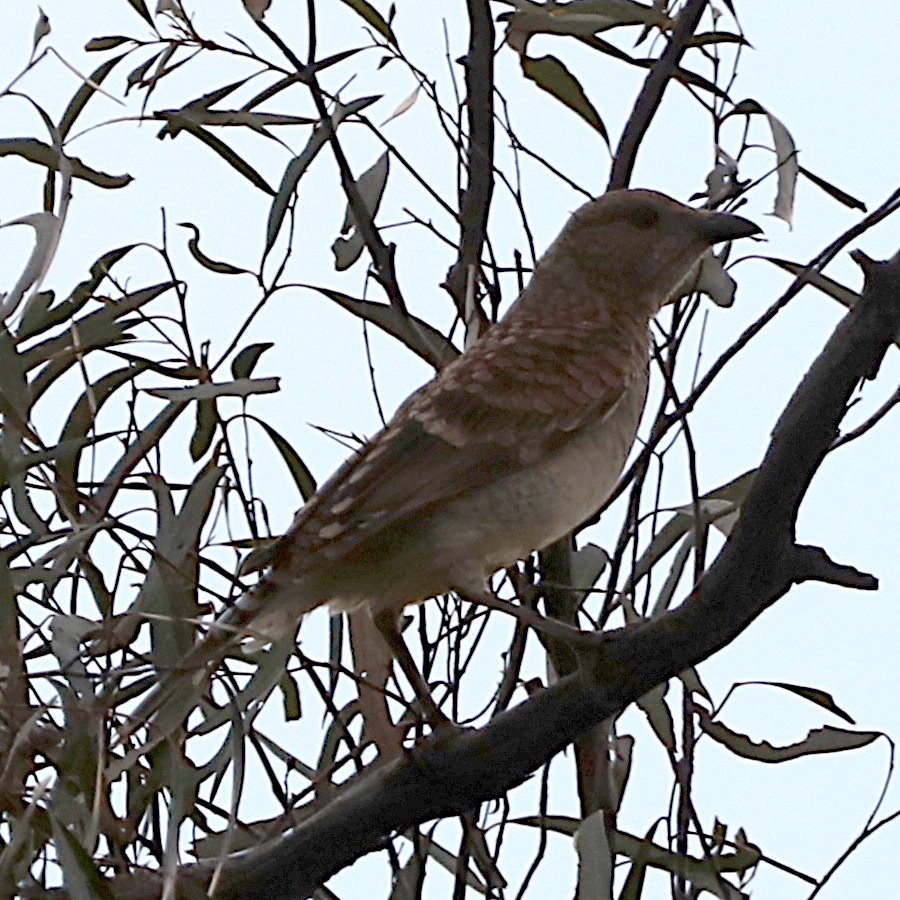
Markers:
<point>457,769</point>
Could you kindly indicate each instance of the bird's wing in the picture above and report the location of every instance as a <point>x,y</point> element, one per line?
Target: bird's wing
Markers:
<point>519,393</point>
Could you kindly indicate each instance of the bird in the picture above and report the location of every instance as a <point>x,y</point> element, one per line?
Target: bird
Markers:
<point>507,449</point>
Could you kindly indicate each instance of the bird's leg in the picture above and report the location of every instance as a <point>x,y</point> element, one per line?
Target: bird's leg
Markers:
<point>386,622</point>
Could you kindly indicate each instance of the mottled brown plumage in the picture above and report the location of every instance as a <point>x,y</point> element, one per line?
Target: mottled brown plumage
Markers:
<point>512,445</point>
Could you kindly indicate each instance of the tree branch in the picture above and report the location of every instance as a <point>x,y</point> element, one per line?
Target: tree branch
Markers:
<point>476,199</point>
<point>455,770</point>
<point>651,94</point>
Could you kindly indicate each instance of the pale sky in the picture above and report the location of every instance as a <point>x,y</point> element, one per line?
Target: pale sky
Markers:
<point>829,73</point>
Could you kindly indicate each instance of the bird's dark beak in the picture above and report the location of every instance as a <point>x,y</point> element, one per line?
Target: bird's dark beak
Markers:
<point>717,227</point>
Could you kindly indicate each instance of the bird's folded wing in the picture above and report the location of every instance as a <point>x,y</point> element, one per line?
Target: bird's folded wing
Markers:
<point>511,399</point>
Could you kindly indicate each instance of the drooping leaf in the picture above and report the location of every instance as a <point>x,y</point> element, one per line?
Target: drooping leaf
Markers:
<point>370,186</point>
<point>404,105</point>
<point>788,169</point>
<point>107,42</point>
<point>244,363</point>
<point>41,29</point>
<point>81,420</point>
<point>47,228</point>
<point>373,17</point>
<point>785,157</point>
<point>720,506</point>
<point>701,872</point>
<point>204,428</point>
<point>169,588</point>
<point>44,155</point>
<point>423,339</point>
<point>834,191</point>
<point>813,695</point>
<point>550,75</point>
<point>213,265</point>
<point>290,697</point>
<point>15,393</point>
<point>844,295</point>
<point>141,9</point>
<point>595,856</point>
<point>653,705</point>
<point>705,38</point>
<point>303,478</point>
<point>257,8</point>
<point>300,163</point>
<point>138,73</point>
<point>819,740</point>
<point>584,19</point>
<point>85,92</point>
<point>144,443</point>
<point>681,75</point>
<point>237,162</point>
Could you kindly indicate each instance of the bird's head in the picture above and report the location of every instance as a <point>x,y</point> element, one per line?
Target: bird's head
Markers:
<point>641,244</point>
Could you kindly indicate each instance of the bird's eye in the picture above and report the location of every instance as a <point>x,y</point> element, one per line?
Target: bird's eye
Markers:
<point>644,217</point>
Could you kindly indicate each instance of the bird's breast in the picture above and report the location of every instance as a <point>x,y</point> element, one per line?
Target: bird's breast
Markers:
<point>513,516</point>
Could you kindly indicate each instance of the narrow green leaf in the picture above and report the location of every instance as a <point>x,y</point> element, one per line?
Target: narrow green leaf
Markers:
<point>138,73</point>
<point>108,42</point>
<point>37,310</point>
<point>271,666</point>
<point>702,873</point>
<point>15,395</point>
<point>373,17</point>
<point>300,163</point>
<point>44,155</point>
<point>141,9</point>
<point>290,695</point>
<point>814,695</point>
<point>684,76</point>
<point>818,740</point>
<point>79,297</point>
<point>97,329</point>
<point>238,163</point>
<point>834,191</point>
<point>204,428</point>
<point>371,186</point>
<point>41,29</point>
<point>549,74</point>
<point>87,90</point>
<point>303,478</point>
<point>81,876</point>
<point>169,589</point>
<point>704,38</point>
<point>844,295</point>
<point>82,419</point>
<point>147,439</point>
<point>653,705</point>
<point>245,362</point>
<point>222,268</point>
<point>423,339</point>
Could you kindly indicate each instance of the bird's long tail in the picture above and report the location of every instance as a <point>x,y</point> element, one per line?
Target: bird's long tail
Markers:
<point>179,690</point>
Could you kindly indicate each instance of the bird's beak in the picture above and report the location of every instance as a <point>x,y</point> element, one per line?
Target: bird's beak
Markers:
<point>717,227</point>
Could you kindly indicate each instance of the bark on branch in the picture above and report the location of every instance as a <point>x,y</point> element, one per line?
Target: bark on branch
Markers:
<point>455,771</point>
